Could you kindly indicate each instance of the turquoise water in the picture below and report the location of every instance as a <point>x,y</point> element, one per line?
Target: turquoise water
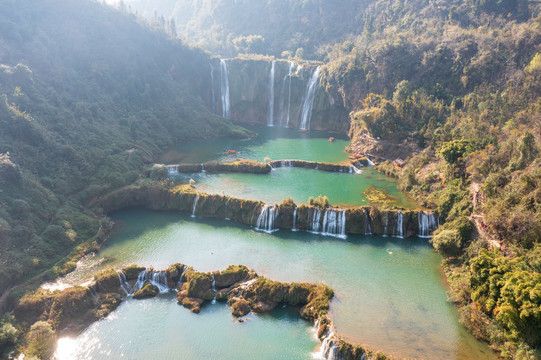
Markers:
<point>275,143</point>
<point>161,329</point>
<point>389,292</point>
<point>300,184</point>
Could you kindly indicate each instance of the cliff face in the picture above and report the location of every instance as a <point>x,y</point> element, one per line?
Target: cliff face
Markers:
<point>251,83</point>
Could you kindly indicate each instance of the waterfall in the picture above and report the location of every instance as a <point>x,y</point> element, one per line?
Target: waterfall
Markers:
<point>367,226</point>
<point>172,169</point>
<point>195,204</point>
<point>267,218</point>
<point>370,163</point>
<point>214,289</point>
<point>227,202</point>
<point>212,88</point>
<point>428,222</point>
<point>294,228</point>
<point>386,224</point>
<point>270,118</point>
<point>224,86</point>
<point>309,100</point>
<point>124,285</point>
<point>398,230</point>
<point>156,278</point>
<point>328,349</point>
<point>315,221</point>
<point>284,110</point>
<point>334,223</point>
<point>354,169</point>
<point>203,168</point>
<point>182,274</point>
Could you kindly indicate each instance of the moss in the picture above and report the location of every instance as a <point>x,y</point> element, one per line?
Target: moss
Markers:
<point>132,272</point>
<point>233,274</point>
<point>147,291</point>
<point>198,285</point>
<point>240,308</point>
<point>107,281</point>
<point>298,294</point>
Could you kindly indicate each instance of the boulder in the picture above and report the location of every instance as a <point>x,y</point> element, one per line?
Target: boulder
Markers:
<point>240,308</point>
<point>148,291</point>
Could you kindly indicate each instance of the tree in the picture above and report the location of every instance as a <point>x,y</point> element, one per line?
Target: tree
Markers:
<point>41,340</point>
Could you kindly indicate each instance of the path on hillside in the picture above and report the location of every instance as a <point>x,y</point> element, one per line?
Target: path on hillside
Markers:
<point>478,219</point>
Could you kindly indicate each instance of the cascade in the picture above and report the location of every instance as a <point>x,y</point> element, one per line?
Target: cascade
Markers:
<point>203,168</point>
<point>284,109</point>
<point>370,163</point>
<point>328,349</point>
<point>428,222</point>
<point>214,289</point>
<point>156,278</point>
<point>172,169</point>
<point>334,223</point>
<point>367,226</point>
<point>294,228</point>
<point>212,88</point>
<point>309,100</point>
<point>195,204</point>
<point>124,285</point>
<point>267,218</point>
<point>354,169</point>
<point>270,118</point>
<point>398,230</point>
<point>315,221</point>
<point>224,86</point>
<point>386,224</point>
<point>226,203</point>
<point>182,275</point>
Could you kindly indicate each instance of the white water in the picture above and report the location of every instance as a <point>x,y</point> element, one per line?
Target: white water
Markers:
<point>309,100</point>
<point>212,88</point>
<point>195,204</point>
<point>398,230</point>
<point>226,203</point>
<point>284,108</point>
<point>267,218</point>
<point>334,223</point>
<point>214,289</point>
<point>224,86</point>
<point>367,226</point>
<point>428,222</point>
<point>270,117</point>
<point>156,278</point>
<point>203,168</point>
<point>294,228</point>
<point>315,220</point>
<point>370,163</point>
<point>172,169</point>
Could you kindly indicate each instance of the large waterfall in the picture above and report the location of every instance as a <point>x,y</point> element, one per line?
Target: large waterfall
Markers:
<point>270,117</point>
<point>332,224</point>
<point>294,227</point>
<point>212,88</point>
<point>428,222</point>
<point>172,169</point>
<point>267,218</point>
<point>224,86</point>
<point>309,100</point>
<point>286,107</point>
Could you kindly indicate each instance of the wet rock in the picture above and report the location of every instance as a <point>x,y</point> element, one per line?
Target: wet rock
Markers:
<point>148,291</point>
<point>240,308</point>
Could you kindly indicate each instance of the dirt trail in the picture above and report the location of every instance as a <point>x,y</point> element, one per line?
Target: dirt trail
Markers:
<point>477,219</point>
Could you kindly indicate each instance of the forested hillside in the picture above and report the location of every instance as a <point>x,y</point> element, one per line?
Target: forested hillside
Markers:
<point>450,89</point>
<point>81,112</point>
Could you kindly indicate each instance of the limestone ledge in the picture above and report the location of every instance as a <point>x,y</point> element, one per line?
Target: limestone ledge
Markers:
<point>156,196</point>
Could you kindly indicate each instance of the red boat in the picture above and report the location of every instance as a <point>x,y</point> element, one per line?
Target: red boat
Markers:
<point>355,156</point>
<point>303,130</point>
<point>231,152</point>
<point>331,139</point>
